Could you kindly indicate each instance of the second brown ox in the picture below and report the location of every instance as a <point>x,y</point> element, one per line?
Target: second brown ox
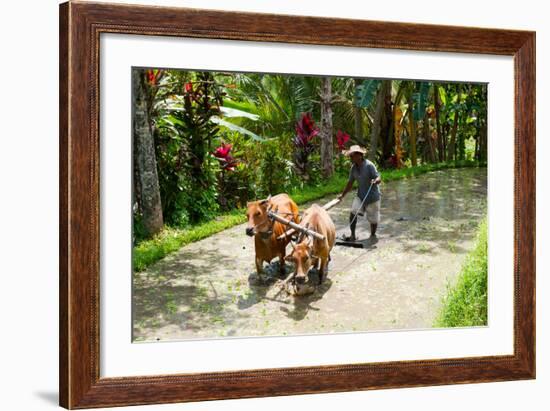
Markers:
<point>311,252</point>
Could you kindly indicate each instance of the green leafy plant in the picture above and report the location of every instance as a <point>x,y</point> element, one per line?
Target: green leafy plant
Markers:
<point>275,172</point>
<point>187,169</point>
<point>235,179</point>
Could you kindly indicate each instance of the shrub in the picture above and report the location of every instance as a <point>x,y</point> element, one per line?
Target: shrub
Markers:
<point>184,133</point>
<point>275,172</point>
<point>235,179</point>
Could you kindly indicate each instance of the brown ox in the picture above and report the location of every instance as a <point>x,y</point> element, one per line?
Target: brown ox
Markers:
<point>265,231</point>
<point>310,251</point>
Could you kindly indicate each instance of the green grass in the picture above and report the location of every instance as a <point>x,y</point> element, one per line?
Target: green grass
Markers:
<point>465,304</point>
<point>171,239</point>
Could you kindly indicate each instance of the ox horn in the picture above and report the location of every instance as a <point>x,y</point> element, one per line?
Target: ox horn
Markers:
<point>265,200</point>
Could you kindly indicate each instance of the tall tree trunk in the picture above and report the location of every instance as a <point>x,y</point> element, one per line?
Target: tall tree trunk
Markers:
<point>451,153</point>
<point>444,132</point>
<point>376,124</point>
<point>424,154</point>
<point>440,145</point>
<point>398,132</point>
<point>412,129</point>
<point>386,128</point>
<point>428,137</point>
<point>358,118</point>
<point>476,149</point>
<point>483,131</point>
<point>327,165</point>
<point>145,157</point>
<point>483,143</point>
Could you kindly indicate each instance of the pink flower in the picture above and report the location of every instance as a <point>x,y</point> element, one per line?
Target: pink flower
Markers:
<point>342,138</point>
<point>223,150</point>
<point>227,161</point>
<point>305,130</point>
<point>151,78</point>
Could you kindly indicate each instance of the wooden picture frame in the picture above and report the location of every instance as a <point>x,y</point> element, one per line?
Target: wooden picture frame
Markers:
<point>80,27</point>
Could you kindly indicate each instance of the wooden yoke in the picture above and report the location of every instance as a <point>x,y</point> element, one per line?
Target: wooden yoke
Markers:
<point>295,227</point>
<point>292,230</point>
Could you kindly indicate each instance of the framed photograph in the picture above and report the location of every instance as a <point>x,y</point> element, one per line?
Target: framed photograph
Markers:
<point>260,205</point>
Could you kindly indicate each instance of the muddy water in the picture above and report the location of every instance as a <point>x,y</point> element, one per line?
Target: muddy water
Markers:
<point>209,289</point>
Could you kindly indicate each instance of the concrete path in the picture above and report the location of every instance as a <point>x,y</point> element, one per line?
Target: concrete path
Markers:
<point>209,289</point>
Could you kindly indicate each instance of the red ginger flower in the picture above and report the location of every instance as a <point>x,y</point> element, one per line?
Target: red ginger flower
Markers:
<point>223,150</point>
<point>227,161</point>
<point>150,76</point>
<point>305,130</point>
<point>153,76</point>
<point>341,139</point>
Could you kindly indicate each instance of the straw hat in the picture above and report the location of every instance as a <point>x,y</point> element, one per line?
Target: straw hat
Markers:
<point>355,149</point>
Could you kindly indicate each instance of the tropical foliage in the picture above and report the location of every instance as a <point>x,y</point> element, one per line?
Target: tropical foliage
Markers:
<point>222,139</point>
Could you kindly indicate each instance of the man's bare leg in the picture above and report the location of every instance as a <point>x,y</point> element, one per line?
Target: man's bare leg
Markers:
<point>353,224</point>
<point>373,230</point>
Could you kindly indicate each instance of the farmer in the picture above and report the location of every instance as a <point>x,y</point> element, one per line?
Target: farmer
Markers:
<point>366,175</point>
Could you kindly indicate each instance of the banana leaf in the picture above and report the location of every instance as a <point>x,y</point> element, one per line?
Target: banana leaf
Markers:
<point>233,112</point>
<point>234,127</point>
<point>365,92</point>
<point>420,98</point>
